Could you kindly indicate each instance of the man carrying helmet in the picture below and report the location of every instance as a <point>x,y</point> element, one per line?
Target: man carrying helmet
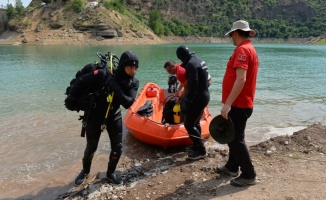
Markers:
<point>238,92</point>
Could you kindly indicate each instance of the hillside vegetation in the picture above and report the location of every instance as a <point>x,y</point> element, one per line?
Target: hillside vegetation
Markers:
<point>271,18</point>
<point>151,18</point>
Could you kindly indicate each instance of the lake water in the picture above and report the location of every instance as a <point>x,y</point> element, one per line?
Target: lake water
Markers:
<point>39,137</point>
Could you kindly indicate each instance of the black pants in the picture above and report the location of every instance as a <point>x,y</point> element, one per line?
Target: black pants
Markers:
<point>192,123</point>
<point>93,133</point>
<point>238,151</point>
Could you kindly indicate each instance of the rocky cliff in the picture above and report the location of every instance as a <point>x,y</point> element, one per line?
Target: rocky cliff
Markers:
<point>57,23</point>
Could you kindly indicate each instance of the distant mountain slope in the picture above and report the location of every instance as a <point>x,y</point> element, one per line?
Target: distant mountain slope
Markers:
<point>210,18</point>
<point>58,21</point>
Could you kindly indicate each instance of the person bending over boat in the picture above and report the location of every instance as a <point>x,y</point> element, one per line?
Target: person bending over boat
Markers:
<point>175,69</point>
<point>195,99</point>
<point>106,113</point>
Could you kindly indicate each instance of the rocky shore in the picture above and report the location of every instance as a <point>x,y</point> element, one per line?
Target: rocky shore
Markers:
<point>288,167</point>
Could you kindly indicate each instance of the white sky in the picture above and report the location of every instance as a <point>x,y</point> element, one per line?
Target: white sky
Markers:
<point>5,2</point>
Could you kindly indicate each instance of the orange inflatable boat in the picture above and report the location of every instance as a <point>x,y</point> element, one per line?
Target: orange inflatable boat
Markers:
<point>150,129</point>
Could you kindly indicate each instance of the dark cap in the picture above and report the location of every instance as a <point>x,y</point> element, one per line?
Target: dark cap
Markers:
<point>183,53</point>
<point>128,58</point>
<point>221,129</point>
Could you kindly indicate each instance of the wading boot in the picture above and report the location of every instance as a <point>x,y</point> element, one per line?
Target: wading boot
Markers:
<point>81,177</point>
<point>114,179</point>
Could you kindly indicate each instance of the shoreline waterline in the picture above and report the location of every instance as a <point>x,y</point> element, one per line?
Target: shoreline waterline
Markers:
<point>14,38</point>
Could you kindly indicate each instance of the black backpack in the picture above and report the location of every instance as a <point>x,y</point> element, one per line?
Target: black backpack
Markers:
<point>146,110</point>
<point>85,90</point>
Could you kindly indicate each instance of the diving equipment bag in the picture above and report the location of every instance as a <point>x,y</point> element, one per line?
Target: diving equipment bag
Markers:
<point>82,99</point>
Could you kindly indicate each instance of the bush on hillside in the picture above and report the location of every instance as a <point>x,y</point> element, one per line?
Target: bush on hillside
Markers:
<point>77,5</point>
<point>11,12</point>
<point>117,5</point>
<point>155,22</point>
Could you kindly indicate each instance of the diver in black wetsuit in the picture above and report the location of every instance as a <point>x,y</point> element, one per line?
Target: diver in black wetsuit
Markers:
<point>195,100</point>
<point>123,86</point>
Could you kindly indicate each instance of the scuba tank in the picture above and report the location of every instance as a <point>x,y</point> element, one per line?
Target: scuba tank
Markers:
<point>176,113</point>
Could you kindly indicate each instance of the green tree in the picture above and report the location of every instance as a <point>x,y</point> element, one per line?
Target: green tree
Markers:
<point>155,22</point>
<point>19,8</point>
<point>77,5</point>
<point>167,31</point>
<point>11,11</point>
<point>118,5</point>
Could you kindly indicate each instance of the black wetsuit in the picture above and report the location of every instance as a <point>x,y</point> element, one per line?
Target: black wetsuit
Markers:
<point>125,90</point>
<point>196,98</point>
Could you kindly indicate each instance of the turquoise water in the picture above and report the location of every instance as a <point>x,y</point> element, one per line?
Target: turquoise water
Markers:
<point>39,135</point>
